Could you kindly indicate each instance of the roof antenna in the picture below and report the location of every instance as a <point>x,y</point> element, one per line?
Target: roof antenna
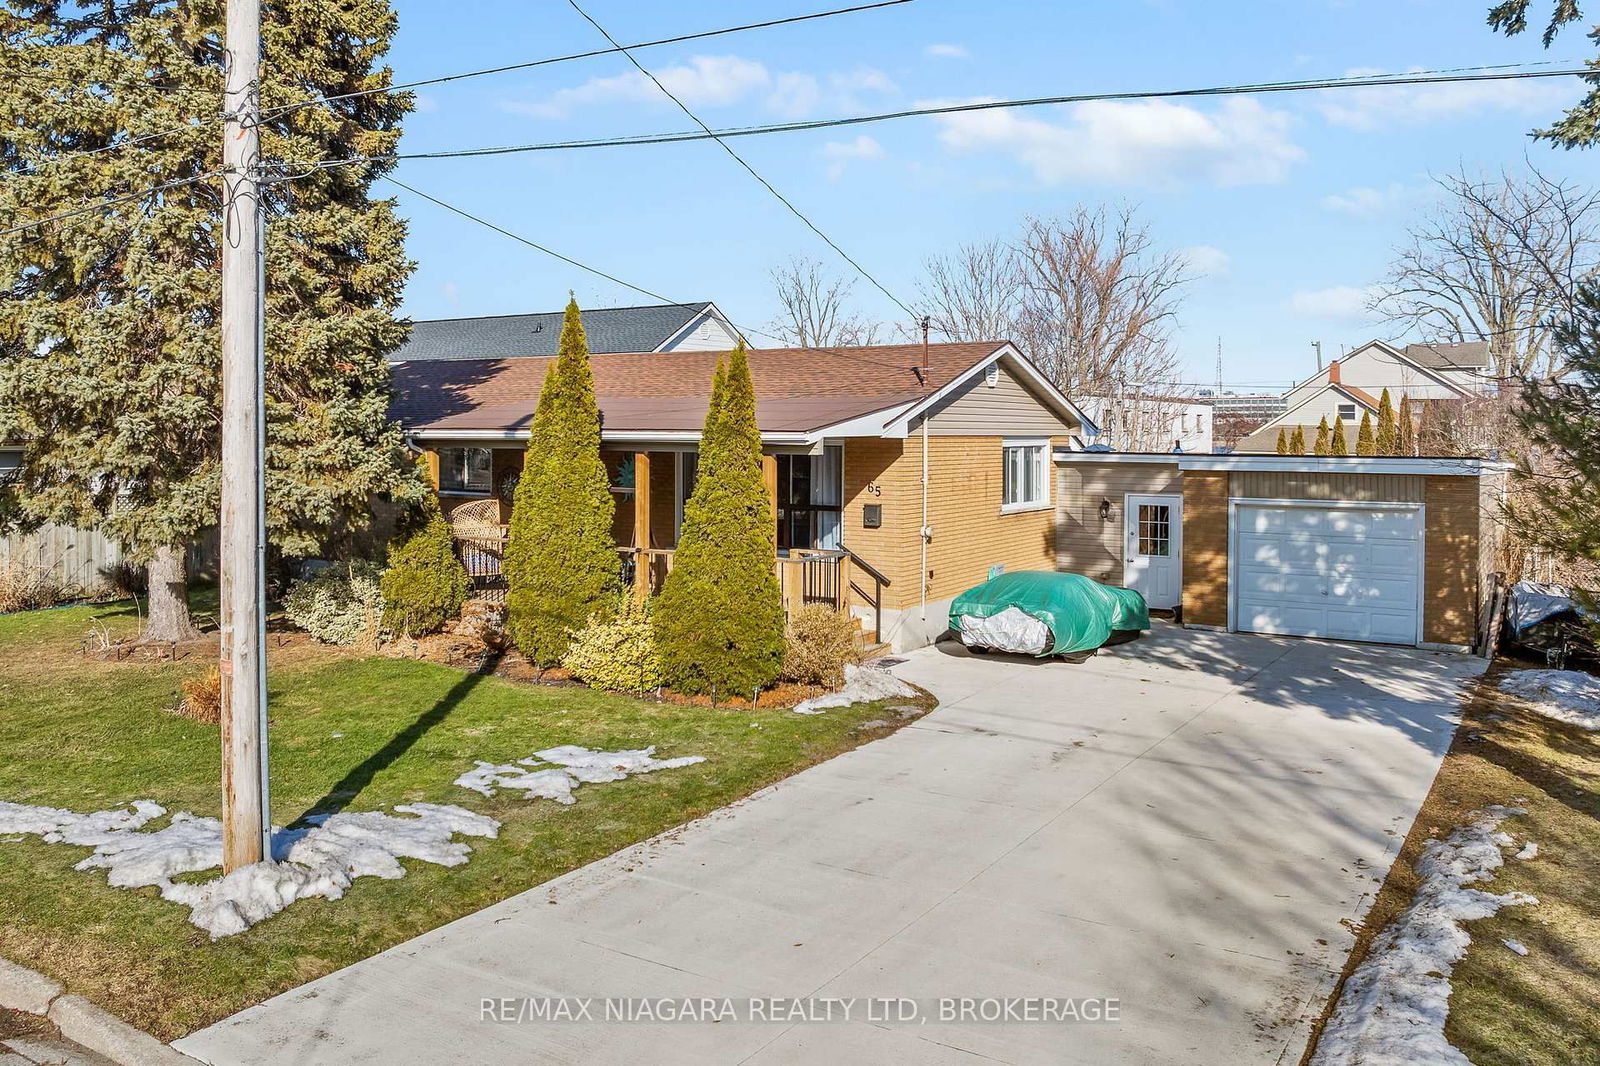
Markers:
<point>925,370</point>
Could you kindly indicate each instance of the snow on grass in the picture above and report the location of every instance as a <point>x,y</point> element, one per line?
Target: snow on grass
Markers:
<point>862,684</point>
<point>1516,945</point>
<point>1570,696</point>
<point>1530,850</point>
<point>1393,1008</point>
<point>318,861</point>
<point>555,772</point>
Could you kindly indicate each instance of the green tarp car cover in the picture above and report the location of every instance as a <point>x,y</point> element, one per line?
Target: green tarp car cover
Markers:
<point>1081,613</point>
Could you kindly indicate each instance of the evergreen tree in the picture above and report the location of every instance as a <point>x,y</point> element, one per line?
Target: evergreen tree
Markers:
<point>1557,507</point>
<point>719,620</point>
<point>1366,440</point>
<point>1340,445</point>
<point>561,563</point>
<point>1405,428</point>
<point>1324,445</point>
<point>1388,440</point>
<point>1297,441</point>
<point>1431,429</point>
<point>1283,441</point>
<point>425,584</point>
<point>109,334</point>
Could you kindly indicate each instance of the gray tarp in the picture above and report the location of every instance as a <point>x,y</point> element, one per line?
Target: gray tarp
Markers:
<point>1531,602</point>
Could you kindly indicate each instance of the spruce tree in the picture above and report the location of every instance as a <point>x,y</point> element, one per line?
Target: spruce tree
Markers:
<point>1324,445</point>
<point>1560,499</point>
<point>1366,440</point>
<point>1405,428</point>
<point>561,562</point>
<point>1340,444</point>
<point>1283,441</point>
<point>1388,439</point>
<point>109,334</point>
<point>1297,441</point>
<point>719,620</point>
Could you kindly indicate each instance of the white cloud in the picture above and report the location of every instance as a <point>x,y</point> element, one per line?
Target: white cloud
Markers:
<point>1206,261</point>
<point>842,153</point>
<point>1338,303</point>
<point>706,81</point>
<point>946,51</point>
<point>1367,202</point>
<point>718,81</point>
<point>1366,109</point>
<point>1156,144</point>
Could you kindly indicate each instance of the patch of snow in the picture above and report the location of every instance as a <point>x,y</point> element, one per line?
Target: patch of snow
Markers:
<point>862,684</point>
<point>320,861</point>
<point>1530,850</point>
<point>1516,945</point>
<point>1505,840</point>
<point>1393,1009</point>
<point>555,772</point>
<point>1570,696</point>
<point>57,826</point>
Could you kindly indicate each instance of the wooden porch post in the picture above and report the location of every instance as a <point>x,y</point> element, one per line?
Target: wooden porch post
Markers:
<point>430,457</point>
<point>769,474</point>
<point>641,526</point>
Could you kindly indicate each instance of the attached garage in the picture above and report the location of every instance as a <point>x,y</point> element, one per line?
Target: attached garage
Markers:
<point>1381,549</point>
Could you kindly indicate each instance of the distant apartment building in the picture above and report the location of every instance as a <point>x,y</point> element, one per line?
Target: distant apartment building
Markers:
<point>1150,423</point>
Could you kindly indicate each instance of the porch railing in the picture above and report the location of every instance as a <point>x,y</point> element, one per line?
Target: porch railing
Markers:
<point>839,578</point>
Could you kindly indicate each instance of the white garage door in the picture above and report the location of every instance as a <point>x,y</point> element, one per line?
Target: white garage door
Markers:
<point>1349,573</point>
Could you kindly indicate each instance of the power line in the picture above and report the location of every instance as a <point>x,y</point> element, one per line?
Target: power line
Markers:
<point>536,246</point>
<point>103,205</point>
<point>1362,81</point>
<point>680,39</point>
<point>737,158</point>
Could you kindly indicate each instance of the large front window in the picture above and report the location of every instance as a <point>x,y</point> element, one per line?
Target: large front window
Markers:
<point>810,499</point>
<point>466,470</point>
<point>1025,484</point>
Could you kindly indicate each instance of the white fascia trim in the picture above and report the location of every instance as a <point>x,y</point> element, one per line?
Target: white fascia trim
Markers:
<point>607,436</point>
<point>710,311</point>
<point>1065,455</point>
<point>899,425</point>
<point>1347,464</point>
<point>867,425</point>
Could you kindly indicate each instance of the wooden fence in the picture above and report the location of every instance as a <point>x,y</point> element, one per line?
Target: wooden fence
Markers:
<point>78,558</point>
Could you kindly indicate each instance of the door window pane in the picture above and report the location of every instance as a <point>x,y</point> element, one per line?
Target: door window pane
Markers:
<point>1155,530</point>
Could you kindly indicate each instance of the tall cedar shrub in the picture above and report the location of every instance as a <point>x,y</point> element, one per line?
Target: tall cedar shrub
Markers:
<point>109,332</point>
<point>1388,440</point>
<point>1324,444</point>
<point>1341,443</point>
<point>1405,428</point>
<point>1297,441</point>
<point>1366,441</point>
<point>561,562</point>
<point>719,619</point>
<point>1283,441</point>
<point>425,584</point>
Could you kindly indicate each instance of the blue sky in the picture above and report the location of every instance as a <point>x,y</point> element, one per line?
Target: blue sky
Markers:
<point>1290,204</point>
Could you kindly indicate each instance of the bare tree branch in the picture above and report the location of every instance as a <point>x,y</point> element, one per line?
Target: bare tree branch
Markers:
<point>816,311</point>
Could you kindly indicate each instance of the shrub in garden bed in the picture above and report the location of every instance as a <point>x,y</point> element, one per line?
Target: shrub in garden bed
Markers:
<point>26,588</point>
<point>342,604</point>
<point>617,650</point>
<point>818,644</point>
<point>425,584</point>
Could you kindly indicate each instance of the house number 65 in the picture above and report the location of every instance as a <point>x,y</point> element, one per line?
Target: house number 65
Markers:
<point>873,489</point>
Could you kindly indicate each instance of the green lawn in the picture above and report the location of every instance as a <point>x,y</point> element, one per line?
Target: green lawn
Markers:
<point>361,732</point>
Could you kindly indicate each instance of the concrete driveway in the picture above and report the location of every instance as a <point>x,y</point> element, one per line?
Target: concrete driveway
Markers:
<point>1181,824</point>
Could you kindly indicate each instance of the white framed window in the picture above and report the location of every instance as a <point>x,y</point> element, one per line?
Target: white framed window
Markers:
<point>466,470</point>
<point>1347,412</point>
<point>1025,480</point>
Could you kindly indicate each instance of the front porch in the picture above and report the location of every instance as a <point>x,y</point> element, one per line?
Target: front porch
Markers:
<point>811,562</point>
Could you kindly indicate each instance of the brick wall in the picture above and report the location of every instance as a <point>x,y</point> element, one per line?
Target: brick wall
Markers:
<point>1205,547</point>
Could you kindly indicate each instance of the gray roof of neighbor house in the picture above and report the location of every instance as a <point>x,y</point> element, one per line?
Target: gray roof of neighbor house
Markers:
<point>1470,355</point>
<point>609,329</point>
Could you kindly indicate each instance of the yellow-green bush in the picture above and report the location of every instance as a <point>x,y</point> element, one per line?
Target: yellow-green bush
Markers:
<point>617,650</point>
<point>425,584</point>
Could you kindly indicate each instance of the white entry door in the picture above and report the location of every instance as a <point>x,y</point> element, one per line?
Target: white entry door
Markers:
<point>1153,552</point>
<point>1350,573</point>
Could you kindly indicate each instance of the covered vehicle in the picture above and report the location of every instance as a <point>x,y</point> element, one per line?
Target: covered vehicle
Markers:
<point>1036,612</point>
<point>1551,621</point>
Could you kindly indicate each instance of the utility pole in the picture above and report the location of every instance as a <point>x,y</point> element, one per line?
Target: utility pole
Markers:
<point>246,819</point>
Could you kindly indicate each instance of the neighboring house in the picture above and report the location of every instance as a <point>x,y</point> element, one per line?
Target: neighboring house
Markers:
<point>865,451</point>
<point>1354,385</point>
<point>1150,423</point>
<point>1394,550</point>
<point>697,327</point>
<point>1255,406</point>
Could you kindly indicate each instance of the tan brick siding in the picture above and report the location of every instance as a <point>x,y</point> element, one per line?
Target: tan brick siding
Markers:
<point>1450,563</point>
<point>1086,543</point>
<point>1205,547</point>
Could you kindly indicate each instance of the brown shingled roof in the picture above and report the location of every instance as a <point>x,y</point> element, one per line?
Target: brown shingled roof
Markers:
<point>797,389</point>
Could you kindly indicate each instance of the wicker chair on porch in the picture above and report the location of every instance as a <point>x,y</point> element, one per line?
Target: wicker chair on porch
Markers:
<point>480,545</point>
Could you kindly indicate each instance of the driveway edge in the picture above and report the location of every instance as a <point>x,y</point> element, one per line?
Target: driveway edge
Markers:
<point>80,1021</point>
